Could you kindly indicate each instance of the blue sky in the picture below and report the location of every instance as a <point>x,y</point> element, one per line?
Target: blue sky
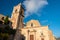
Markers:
<point>49,15</point>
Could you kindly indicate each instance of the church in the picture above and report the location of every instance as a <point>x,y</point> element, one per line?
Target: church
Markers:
<point>32,30</point>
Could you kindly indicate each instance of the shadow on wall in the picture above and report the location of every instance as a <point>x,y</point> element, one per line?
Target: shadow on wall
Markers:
<point>18,36</point>
<point>22,37</point>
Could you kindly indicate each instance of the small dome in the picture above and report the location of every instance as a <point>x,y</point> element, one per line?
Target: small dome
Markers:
<point>33,23</point>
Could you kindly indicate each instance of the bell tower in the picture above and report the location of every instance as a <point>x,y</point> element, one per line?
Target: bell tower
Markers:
<point>17,16</point>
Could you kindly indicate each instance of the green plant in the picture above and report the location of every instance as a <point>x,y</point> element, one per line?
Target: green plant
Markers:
<point>6,20</point>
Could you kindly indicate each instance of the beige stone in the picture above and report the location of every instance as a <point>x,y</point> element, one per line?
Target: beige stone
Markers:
<point>39,32</point>
<point>16,18</point>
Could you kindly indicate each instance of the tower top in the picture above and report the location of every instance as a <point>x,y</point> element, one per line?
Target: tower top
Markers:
<point>17,16</point>
<point>19,4</point>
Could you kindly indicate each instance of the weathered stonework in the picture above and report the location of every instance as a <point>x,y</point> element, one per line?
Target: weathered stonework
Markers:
<point>16,18</point>
<point>38,32</point>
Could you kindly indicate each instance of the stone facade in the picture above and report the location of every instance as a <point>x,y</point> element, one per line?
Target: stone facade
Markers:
<point>17,20</point>
<point>17,16</point>
<point>34,31</point>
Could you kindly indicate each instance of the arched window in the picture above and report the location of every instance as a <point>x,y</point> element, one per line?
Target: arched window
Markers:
<point>41,33</point>
<point>2,18</point>
<point>16,10</point>
<point>32,24</point>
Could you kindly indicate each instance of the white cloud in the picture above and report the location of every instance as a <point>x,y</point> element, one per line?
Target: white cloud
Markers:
<point>32,6</point>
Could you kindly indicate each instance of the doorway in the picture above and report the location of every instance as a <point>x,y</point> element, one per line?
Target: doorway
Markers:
<point>31,37</point>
